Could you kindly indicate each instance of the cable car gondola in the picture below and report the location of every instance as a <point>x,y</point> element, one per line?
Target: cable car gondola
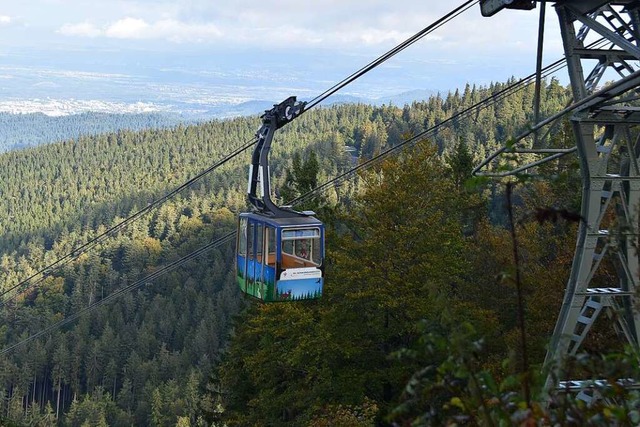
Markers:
<point>279,251</point>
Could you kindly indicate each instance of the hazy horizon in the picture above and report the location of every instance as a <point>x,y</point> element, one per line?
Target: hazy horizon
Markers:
<point>191,55</point>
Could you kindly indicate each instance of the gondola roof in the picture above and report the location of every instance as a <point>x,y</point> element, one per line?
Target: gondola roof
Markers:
<point>293,221</point>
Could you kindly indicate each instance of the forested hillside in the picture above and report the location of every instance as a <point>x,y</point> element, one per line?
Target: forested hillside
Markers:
<point>408,242</point>
<point>28,130</point>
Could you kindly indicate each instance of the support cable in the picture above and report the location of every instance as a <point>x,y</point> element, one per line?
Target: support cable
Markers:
<point>505,92</point>
<point>138,283</point>
<point>74,254</point>
<point>429,132</point>
<point>536,98</point>
<point>408,42</point>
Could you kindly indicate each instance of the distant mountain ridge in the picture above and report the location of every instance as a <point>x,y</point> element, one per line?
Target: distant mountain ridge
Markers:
<point>22,130</point>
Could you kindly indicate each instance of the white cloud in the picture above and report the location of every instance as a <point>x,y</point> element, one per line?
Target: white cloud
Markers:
<point>169,29</point>
<point>84,29</point>
<point>286,23</point>
<point>353,35</point>
<point>128,28</point>
<point>5,20</point>
<point>375,24</point>
<point>178,31</point>
<point>136,28</point>
<point>377,36</point>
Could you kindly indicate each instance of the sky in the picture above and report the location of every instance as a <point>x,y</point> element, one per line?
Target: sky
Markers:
<point>258,49</point>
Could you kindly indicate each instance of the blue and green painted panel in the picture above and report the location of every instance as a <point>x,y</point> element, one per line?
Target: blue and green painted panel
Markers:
<point>252,281</point>
<point>299,289</point>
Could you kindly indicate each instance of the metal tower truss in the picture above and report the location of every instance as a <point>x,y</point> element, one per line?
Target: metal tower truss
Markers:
<point>608,150</point>
<point>602,48</point>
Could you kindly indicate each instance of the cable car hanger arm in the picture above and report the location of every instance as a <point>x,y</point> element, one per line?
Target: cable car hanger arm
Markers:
<point>259,178</point>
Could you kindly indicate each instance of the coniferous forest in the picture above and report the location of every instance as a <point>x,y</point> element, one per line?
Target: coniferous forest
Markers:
<point>28,130</point>
<point>419,261</point>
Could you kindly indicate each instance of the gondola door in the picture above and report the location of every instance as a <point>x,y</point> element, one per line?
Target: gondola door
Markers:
<point>255,243</point>
<point>269,263</point>
<point>258,271</point>
<point>249,256</point>
<point>242,258</point>
<point>256,258</point>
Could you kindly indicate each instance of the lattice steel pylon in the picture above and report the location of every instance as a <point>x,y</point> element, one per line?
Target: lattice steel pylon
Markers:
<point>601,42</point>
<point>609,166</point>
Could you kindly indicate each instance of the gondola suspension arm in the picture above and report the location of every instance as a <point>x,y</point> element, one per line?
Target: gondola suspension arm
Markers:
<point>259,177</point>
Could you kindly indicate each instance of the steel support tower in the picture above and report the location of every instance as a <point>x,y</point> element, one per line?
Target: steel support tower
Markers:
<point>602,48</point>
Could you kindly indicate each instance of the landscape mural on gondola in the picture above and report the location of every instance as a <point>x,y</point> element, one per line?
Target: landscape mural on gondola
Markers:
<point>297,288</point>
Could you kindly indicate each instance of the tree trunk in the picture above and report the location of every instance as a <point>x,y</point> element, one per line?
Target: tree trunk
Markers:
<point>58,400</point>
<point>35,383</point>
<point>43,386</point>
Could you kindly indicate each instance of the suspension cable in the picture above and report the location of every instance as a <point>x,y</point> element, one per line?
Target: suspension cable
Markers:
<point>74,254</point>
<point>27,283</point>
<point>536,97</point>
<point>408,42</point>
<point>138,283</point>
<point>550,69</point>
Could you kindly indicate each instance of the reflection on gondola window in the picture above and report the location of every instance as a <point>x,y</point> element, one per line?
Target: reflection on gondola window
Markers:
<point>303,244</point>
<point>242,244</point>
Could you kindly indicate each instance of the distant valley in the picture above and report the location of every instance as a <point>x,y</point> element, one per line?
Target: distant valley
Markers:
<point>70,97</point>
